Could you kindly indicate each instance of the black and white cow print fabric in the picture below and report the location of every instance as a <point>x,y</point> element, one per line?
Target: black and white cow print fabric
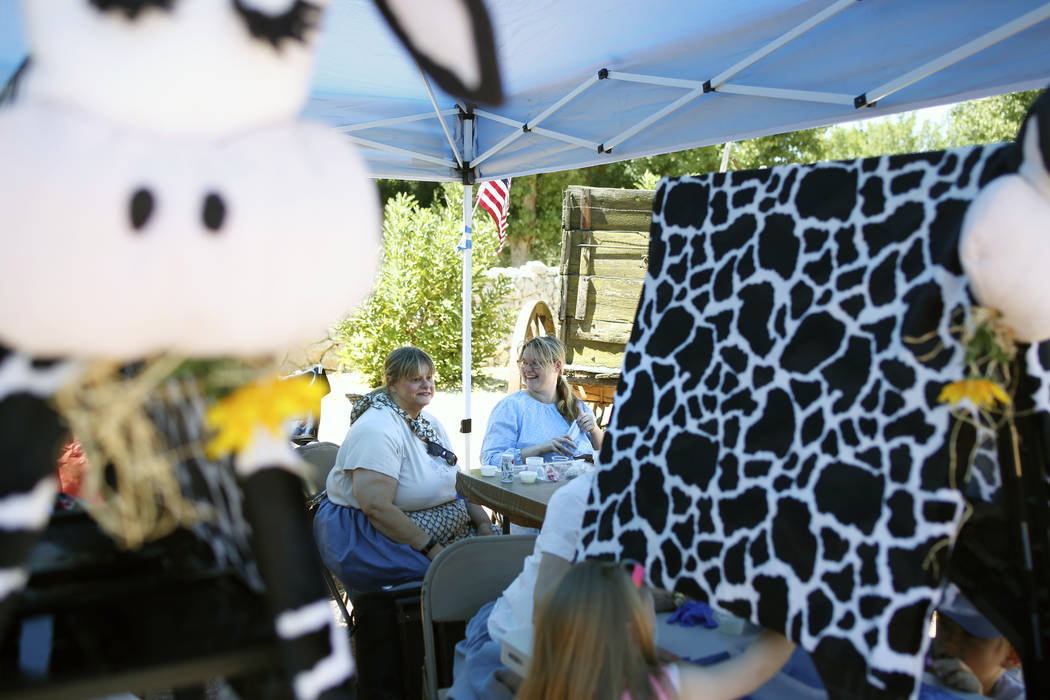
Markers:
<point>777,446</point>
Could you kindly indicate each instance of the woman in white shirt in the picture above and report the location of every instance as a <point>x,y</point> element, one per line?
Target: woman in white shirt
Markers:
<point>391,503</point>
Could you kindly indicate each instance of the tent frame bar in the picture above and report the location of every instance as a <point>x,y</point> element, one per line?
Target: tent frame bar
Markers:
<point>367,143</point>
<point>966,50</point>
<point>527,126</point>
<point>349,128</point>
<point>574,140</point>
<point>785,38</point>
<point>736,89</point>
<point>539,131</point>
<point>834,98</point>
<point>695,89</point>
<point>437,111</point>
<point>607,146</point>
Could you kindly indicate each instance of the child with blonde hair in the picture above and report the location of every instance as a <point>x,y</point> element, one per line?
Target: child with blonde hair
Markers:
<point>594,638</point>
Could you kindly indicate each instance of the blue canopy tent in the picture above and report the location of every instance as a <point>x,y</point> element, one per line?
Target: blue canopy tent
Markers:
<point>587,83</point>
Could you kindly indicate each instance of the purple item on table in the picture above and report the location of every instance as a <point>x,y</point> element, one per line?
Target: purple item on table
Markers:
<point>694,612</point>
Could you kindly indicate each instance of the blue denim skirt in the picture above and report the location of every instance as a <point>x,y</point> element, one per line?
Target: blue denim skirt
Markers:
<point>361,557</point>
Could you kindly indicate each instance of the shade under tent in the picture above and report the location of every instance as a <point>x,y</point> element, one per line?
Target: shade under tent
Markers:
<point>588,82</point>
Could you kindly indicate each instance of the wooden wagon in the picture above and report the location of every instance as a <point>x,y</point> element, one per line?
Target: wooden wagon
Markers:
<point>605,246</point>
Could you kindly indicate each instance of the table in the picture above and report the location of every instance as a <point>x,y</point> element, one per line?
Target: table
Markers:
<point>517,503</point>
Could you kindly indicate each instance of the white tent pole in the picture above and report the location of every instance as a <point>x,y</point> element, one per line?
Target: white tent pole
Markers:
<point>467,291</point>
<point>725,157</point>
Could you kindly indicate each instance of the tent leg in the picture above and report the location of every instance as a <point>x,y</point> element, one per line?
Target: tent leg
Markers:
<point>467,290</point>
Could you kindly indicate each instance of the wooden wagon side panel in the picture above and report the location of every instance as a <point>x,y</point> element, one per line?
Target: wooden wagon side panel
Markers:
<point>605,241</point>
<point>605,245</point>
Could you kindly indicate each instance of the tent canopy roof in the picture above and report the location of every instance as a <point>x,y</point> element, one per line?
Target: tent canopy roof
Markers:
<point>775,66</point>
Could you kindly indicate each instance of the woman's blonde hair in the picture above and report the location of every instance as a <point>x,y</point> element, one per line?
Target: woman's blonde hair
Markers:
<point>405,362</point>
<point>593,638</point>
<point>546,349</point>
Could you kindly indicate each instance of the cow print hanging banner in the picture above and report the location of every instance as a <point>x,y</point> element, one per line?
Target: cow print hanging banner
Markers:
<point>777,446</point>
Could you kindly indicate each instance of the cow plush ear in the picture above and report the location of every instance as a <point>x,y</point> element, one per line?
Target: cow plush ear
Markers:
<point>1034,140</point>
<point>452,41</point>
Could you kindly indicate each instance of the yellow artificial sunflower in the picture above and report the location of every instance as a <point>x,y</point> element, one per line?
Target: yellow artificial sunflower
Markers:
<point>984,393</point>
<point>267,404</point>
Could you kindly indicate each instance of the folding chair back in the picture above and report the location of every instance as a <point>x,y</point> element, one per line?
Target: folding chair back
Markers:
<point>321,458</point>
<point>465,576</point>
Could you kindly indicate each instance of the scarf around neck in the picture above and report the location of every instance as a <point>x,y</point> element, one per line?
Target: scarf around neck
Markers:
<point>381,397</point>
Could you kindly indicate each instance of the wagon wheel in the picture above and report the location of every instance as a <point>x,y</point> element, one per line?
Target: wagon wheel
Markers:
<point>534,319</point>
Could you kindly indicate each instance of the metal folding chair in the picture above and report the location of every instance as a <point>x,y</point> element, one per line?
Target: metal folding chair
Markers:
<point>466,575</point>
<point>321,458</point>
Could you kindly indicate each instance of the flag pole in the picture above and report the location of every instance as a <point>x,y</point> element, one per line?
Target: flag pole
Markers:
<point>467,291</point>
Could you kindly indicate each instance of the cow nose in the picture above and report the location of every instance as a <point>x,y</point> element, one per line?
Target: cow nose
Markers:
<point>141,208</point>
<point>214,212</point>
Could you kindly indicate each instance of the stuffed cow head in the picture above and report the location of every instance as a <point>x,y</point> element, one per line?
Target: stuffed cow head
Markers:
<point>156,179</point>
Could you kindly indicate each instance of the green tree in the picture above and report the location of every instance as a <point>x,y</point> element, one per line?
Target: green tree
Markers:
<point>901,133</point>
<point>416,298</point>
<point>804,146</point>
<point>988,120</point>
<point>424,192</point>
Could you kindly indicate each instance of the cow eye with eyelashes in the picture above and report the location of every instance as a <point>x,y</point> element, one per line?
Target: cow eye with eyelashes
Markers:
<point>132,8</point>
<point>293,23</point>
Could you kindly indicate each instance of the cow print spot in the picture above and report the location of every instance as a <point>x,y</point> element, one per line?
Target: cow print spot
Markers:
<point>840,582</point>
<point>792,540</point>
<point>827,194</point>
<point>851,494</point>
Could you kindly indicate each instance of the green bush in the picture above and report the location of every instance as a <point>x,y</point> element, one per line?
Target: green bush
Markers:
<point>416,298</point>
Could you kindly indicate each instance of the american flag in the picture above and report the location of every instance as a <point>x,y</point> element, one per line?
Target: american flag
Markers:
<point>494,197</point>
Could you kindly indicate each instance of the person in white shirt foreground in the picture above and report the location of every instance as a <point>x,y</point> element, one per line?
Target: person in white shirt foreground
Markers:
<point>477,671</point>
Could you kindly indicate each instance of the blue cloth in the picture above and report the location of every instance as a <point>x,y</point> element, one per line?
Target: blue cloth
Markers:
<point>929,692</point>
<point>521,421</point>
<point>693,613</point>
<point>477,661</point>
<point>360,556</point>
